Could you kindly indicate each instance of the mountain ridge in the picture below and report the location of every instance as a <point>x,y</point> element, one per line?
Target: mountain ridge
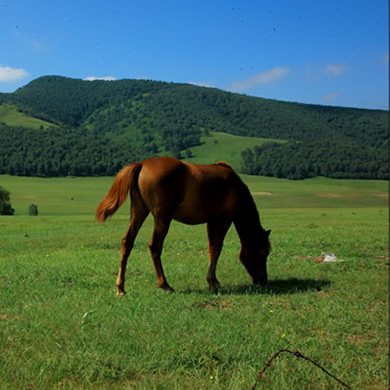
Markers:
<point>155,117</point>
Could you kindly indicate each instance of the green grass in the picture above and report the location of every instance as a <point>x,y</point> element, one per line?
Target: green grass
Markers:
<point>12,117</point>
<point>317,192</point>
<point>61,325</point>
<point>224,147</point>
<point>57,196</point>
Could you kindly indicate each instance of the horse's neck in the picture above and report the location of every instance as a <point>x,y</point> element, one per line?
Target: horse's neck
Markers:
<point>247,222</point>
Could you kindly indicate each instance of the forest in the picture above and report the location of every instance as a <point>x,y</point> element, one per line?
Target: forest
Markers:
<point>63,152</point>
<point>95,127</point>
<point>301,160</point>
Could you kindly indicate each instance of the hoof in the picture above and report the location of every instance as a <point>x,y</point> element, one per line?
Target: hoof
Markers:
<point>213,287</point>
<point>167,288</point>
<point>121,293</point>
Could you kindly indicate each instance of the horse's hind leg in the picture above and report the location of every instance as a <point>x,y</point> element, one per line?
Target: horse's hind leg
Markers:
<point>138,216</point>
<point>216,231</point>
<point>161,227</point>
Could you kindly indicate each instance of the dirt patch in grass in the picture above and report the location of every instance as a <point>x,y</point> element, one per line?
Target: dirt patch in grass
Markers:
<point>381,195</point>
<point>315,259</point>
<point>262,193</point>
<point>9,317</point>
<point>222,305</point>
<point>329,195</point>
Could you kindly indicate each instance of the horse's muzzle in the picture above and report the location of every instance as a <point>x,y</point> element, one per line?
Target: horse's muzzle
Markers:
<point>261,280</point>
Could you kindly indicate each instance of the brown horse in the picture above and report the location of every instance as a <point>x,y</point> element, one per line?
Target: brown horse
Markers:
<point>191,194</point>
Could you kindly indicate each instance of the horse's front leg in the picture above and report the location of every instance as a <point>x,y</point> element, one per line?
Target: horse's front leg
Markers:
<point>216,231</point>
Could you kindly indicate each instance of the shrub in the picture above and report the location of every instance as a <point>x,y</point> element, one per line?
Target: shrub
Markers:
<point>33,209</point>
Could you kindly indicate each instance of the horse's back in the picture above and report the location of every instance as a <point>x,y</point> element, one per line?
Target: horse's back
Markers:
<point>161,182</point>
<point>161,171</point>
<point>189,193</point>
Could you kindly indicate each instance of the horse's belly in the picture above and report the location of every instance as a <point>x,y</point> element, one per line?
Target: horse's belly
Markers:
<point>190,217</point>
<point>194,213</point>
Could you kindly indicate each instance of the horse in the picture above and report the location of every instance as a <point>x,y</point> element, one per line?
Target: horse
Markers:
<point>192,194</point>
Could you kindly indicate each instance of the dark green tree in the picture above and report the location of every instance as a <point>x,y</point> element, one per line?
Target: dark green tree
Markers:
<point>5,205</point>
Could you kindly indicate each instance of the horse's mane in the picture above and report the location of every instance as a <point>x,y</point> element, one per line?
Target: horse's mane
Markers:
<point>224,164</point>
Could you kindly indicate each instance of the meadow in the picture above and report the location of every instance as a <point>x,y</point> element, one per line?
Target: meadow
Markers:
<point>62,326</point>
<point>217,146</point>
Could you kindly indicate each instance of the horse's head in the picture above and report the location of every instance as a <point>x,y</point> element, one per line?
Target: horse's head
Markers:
<point>254,259</point>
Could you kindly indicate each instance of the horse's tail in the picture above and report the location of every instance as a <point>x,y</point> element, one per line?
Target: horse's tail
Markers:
<point>117,194</point>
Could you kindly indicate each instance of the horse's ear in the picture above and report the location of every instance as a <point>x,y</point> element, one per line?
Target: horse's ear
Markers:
<point>268,232</point>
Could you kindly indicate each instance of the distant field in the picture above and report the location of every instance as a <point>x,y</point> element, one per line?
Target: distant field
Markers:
<point>12,117</point>
<point>71,196</point>
<point>224,147</point>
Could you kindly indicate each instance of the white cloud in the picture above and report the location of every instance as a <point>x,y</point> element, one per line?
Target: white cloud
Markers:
<point>324,72</point>
<point>40,46</point>
<point>104,78</point>
<point>331,97</point>
<point>335,70</point>
<point>202,84</point>
<point>266,77</point>
<point>8,74</point>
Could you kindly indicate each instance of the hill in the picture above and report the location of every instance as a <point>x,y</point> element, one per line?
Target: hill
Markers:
<point>94,127</point>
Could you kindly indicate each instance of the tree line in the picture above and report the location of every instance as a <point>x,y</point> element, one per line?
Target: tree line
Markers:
<point>64,152</point>
<point>299,160</point>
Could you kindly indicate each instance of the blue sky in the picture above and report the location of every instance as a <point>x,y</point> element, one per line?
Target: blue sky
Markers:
<point>332,52</point>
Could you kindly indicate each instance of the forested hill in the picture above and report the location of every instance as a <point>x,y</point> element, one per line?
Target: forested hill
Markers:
<point>94,127</point>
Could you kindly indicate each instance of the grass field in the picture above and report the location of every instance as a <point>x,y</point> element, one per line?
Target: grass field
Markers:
<point>69,196</point>
<point>61,325</point>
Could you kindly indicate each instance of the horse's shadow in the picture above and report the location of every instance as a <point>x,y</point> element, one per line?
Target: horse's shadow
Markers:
<point>273,287</point>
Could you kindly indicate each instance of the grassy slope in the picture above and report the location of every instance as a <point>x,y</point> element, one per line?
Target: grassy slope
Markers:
<point>224,147</point>
<point>12,117</point>
<point>62,326</point>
